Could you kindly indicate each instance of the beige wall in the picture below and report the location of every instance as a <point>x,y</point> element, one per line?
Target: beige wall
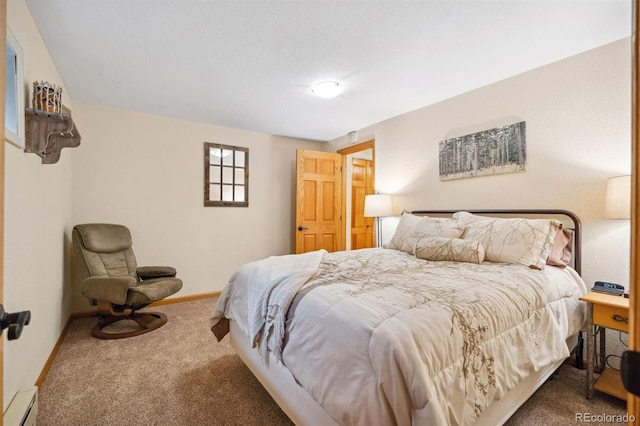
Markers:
<point>37,225</point>
<point>578,134</point>
<point>146,172</point>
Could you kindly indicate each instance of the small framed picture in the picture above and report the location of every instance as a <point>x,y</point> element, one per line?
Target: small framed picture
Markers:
<point>14,98</point>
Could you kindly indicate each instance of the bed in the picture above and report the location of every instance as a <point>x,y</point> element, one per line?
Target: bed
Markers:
<point>458,321</point>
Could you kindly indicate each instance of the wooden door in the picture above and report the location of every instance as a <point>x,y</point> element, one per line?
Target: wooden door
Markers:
<point>318,201</point>
<point>361,185</point>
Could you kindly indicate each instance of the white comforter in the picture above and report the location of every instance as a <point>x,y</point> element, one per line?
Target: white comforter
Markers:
<point>379,337</point>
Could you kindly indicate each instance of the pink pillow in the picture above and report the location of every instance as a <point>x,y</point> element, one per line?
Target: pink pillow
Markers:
<point>560,254</point>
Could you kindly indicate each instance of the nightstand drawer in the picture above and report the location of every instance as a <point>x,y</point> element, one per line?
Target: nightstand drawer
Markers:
<point>611,317</point>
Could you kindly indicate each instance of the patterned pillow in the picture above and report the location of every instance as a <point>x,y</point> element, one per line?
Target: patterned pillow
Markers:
<point>454,249</point>
<point>411,228</point>
<point>512,240</point>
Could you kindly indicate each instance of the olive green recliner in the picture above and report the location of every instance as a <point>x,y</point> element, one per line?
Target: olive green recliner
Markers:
<point>111,279</point>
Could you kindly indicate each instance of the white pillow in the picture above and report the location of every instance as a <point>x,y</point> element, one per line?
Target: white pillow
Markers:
<point>411,228</point>
<point>511,240</point>
<point>454,249</point>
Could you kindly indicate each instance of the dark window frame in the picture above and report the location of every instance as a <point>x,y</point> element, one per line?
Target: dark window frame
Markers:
<point>210,161</point>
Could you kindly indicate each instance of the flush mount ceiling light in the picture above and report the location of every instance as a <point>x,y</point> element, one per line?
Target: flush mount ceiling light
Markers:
<point>327,89</point>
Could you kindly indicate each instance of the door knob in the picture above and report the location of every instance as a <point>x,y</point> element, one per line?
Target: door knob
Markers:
<point>15,322</point>
<point>302,228</point>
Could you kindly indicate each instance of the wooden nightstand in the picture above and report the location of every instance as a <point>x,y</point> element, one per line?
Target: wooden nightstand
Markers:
<point>605,311</point>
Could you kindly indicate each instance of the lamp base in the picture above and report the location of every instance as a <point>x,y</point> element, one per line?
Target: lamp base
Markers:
<point>378,232</point>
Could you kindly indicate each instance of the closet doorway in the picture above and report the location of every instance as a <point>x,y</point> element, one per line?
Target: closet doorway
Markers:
<point>358,161</point>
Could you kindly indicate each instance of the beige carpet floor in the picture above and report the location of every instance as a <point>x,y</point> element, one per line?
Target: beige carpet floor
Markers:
<point>180,375</point>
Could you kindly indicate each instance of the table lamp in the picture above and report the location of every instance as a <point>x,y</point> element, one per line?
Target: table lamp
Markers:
<point>378,206</point>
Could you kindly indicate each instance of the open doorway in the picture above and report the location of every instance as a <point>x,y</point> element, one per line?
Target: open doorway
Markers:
<point>358,162</point>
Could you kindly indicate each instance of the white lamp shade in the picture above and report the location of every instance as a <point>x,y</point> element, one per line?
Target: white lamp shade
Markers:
<point>378,205</point>
<point>618,199</point>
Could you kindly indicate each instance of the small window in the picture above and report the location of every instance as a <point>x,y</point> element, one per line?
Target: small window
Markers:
<point>14,93</point>
<point>226,175</point>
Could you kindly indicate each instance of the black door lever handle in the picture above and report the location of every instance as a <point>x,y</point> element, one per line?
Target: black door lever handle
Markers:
<point>302,228</point>
<point>15,322</point>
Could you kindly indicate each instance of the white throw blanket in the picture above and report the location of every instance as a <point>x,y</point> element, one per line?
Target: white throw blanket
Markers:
<point>270,284</point>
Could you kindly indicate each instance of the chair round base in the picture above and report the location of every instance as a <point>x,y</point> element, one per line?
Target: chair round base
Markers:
<point>148,321</point>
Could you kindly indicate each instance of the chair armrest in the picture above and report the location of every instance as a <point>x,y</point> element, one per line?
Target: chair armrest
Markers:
<point>149,272</point>
<point>109,289</point>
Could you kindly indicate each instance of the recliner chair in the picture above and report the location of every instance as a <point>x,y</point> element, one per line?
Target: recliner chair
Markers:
<point>112,280</point>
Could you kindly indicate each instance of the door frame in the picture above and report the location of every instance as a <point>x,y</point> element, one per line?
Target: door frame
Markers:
<point>633,402</point>
<point>3,67</point>
<point>352,149</point>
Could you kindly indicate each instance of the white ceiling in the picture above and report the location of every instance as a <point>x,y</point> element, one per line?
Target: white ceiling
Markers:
<point>249,64</point>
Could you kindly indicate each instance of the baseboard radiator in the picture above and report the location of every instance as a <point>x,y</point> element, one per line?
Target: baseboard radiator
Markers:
<point>23,409</point>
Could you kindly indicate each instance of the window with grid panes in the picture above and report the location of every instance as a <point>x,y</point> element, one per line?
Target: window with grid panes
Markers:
<point>226,175</point>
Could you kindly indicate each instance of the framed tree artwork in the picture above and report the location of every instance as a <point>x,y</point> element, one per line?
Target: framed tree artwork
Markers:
<point>490,152</point>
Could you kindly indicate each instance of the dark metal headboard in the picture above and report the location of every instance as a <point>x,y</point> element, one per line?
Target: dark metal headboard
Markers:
<point>577,226</point>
